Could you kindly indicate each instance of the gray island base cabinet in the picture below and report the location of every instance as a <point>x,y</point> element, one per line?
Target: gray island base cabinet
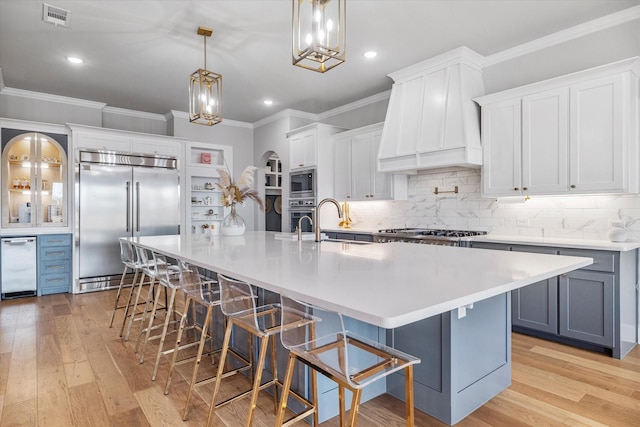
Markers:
<point>593,307</point>
<point>461,369</point>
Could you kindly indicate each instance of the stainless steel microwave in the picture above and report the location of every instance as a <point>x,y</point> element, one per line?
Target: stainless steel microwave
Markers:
<point>302,183</point>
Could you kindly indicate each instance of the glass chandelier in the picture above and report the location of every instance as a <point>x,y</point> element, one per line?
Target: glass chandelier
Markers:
<point>205,91</point>
<point>319,34</point>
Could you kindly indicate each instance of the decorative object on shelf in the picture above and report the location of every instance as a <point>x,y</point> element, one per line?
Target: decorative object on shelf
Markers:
<point>617,232</point>
<point>319,34</point>
<point>205,158</point>
<point>208,186</point>
<point>277,205</point>
<point>232,193</point>
<point>205,91</point>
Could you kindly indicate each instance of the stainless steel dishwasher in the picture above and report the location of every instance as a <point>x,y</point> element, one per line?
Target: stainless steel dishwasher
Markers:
<point>19,266</point>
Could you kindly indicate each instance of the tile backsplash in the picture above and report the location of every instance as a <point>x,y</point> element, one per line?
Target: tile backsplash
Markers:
<point>577,217</point>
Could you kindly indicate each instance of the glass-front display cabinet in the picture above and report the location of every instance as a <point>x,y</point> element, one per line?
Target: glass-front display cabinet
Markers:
<point>34,179</point>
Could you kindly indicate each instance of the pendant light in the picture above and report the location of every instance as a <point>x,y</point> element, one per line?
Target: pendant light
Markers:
<point>319,34</point>
<point>205,91</point>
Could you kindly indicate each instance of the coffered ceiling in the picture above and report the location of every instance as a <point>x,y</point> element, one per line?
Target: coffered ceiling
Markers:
<point>139,54</point>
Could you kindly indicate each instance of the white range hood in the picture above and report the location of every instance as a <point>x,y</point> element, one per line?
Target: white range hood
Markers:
<point>432,121</point>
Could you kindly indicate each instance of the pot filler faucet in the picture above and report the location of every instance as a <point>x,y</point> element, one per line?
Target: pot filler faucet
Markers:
<point>322,202</point>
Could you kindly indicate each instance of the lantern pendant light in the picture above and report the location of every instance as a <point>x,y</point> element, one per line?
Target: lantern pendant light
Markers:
<point>205,91</point>
<point>319,34</point>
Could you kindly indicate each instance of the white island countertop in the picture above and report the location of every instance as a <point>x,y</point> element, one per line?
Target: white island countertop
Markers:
<point>384,284</point>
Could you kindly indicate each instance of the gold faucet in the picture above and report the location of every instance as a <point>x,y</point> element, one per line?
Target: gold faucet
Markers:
<point>322,202</point>
<point>299,228</point>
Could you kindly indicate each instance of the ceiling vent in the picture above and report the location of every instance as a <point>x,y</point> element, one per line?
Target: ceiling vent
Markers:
<point>56,16</point>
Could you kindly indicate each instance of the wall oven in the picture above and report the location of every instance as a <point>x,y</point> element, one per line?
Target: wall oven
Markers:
<point>299,208</point>
<point>302,184</point>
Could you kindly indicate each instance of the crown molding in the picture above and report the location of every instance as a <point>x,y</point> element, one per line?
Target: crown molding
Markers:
<point>21,93</point>
<point>382,96</point>
<point>580,30</point>
<point>286,113</point>
<point>184,115</point>
<point>134,113</point>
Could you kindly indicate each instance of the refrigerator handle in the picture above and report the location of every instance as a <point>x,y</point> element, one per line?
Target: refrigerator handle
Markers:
<point>128,206</point>
<point>138,206</point>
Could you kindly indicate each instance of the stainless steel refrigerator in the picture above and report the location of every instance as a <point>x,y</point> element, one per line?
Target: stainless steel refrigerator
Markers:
<point>121,195</point>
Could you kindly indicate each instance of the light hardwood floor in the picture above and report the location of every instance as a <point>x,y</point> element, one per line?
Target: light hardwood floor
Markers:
<point>60,365</point>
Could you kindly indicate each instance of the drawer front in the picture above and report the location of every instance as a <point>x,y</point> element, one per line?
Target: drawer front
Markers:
<point>55,267</point>
<point>54,240</point>
<point>57,281</point>
<point>54,252</point>
<point>602,261</point>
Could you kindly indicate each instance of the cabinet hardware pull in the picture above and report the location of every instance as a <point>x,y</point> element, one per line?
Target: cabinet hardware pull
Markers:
<point>55,280</point>
<point>516,189</point>
<point>301,164</point>
<point>55,253</point>
<point>455,190</point>
<point>524,188</point>
<point>573,186</point>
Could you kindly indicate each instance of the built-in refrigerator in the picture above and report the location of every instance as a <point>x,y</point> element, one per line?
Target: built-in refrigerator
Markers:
<point>121,195</point>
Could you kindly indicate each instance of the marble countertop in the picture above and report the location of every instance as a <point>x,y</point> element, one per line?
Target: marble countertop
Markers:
<point>387,284</point>
<point>603,245</point>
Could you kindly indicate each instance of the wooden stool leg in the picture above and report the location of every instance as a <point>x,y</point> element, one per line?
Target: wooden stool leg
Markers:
<point>167,320</point>
<point>142,342</point>
<point>355,407</point>
<point>285,391</point>
<point>176,346</point>
<point>264,344</point>
<point>196,367</point>
<point>223,356</point>
<point>341,403</point>
<point>135,305</point>
<point>115,306</point>
<point>408,388</point>
<point>127,307</point>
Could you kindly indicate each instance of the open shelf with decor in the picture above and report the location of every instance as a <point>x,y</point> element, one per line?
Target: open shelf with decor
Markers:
<point>204,209</point>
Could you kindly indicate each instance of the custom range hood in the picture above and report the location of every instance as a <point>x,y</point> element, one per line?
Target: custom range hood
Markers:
<point>432,121</point>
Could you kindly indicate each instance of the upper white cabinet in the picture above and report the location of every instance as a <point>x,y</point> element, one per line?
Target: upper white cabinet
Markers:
<point>310,148</point>
<point>572,134</point>
<point>93,138</point>
<point>355,160</point>
<point>431,120</point>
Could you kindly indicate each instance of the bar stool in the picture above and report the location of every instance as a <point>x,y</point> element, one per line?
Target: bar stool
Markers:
<point>168,278</point>
<point>147,271</point>
<point>238,303</point>
<point>317,338</point>
<point>130,260</point>
<point>206,294</point>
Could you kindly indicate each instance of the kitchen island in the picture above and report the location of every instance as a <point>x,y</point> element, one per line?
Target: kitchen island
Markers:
<point>395,286</point>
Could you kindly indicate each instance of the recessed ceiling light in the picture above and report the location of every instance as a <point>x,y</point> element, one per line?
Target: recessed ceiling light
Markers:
<point>74,60</point>
<point>268,102</point>
<point>370,54</point>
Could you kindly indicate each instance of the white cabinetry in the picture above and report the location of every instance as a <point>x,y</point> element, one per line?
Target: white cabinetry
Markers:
<point>92,138</point>
<point>203,205</point>
<point>572,134</point>
<point>303,148</point>
<point>355,161</point>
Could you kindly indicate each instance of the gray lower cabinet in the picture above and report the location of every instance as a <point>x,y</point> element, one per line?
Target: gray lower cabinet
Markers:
<point>592,306</point>
<point>588,311</point>
<point>465,361</point>
<point>361,237</point>
<point>54,263</point>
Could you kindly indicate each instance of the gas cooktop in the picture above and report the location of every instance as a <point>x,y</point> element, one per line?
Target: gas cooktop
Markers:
<point>431,232</point>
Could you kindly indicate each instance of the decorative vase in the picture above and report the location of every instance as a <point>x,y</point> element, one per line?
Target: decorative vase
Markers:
<point>233,224</point>
<point>617,233</point>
